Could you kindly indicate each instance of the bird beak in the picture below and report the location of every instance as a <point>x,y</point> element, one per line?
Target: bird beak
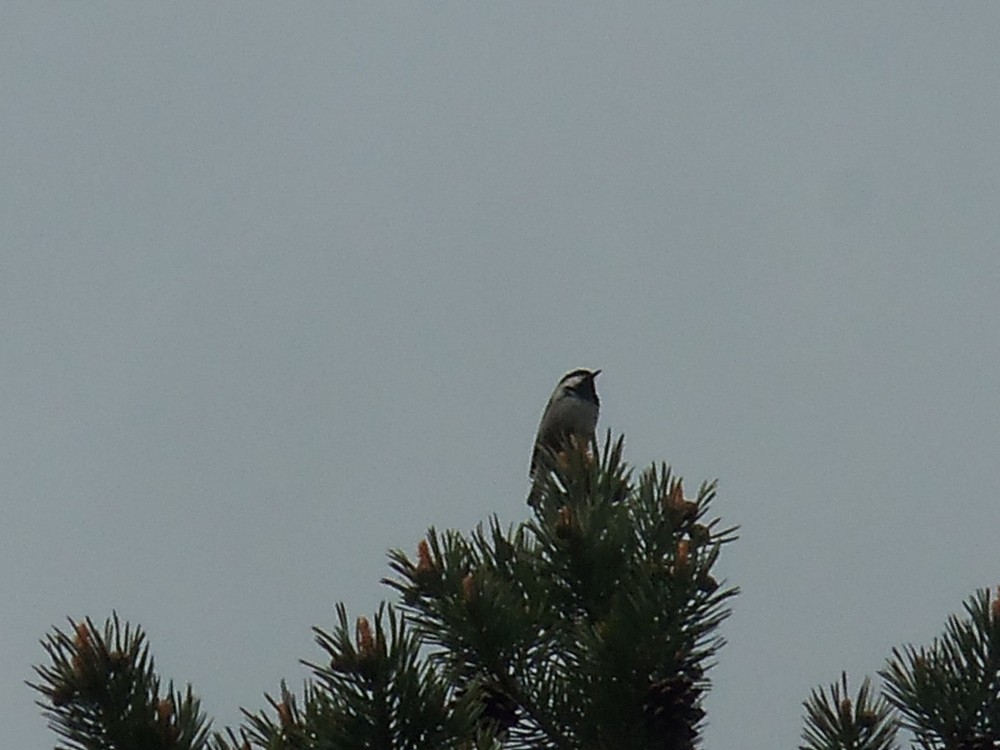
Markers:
<point>594,374</point>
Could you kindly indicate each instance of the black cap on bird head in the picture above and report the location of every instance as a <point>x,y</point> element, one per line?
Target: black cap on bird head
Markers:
<point>580,382</point>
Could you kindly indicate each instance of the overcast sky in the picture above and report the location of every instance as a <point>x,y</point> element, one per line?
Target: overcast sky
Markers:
<point>284,284</point>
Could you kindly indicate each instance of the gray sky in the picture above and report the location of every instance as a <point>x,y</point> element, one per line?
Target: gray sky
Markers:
<point>283,285</point>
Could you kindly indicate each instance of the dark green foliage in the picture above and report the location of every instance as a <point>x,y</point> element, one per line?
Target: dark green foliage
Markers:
<point>594,622</point>
<point>590,626</point>
<point>103,693</point>
<point>947,694</point>
<point>373,692</point>
<point>835,722</point>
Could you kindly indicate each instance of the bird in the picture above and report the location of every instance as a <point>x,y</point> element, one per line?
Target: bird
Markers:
<point>571,413</point>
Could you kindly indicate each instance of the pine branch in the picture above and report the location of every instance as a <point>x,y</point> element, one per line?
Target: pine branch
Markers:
<point>592,625</point>
<point>481,608</point>
<point>835,722</point>
<point>373,693</point>
<point>949,693</point>
<point>596,621</point>
<point>102,692</point>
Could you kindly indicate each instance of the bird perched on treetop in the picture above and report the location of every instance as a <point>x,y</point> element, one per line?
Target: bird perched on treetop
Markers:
<point>570,414</point>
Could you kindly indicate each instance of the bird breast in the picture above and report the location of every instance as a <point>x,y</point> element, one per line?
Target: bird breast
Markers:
<point>570,416</point>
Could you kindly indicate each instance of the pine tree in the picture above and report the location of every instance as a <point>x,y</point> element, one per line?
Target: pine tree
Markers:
<point>591,625</point>
<point>947,695</point>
